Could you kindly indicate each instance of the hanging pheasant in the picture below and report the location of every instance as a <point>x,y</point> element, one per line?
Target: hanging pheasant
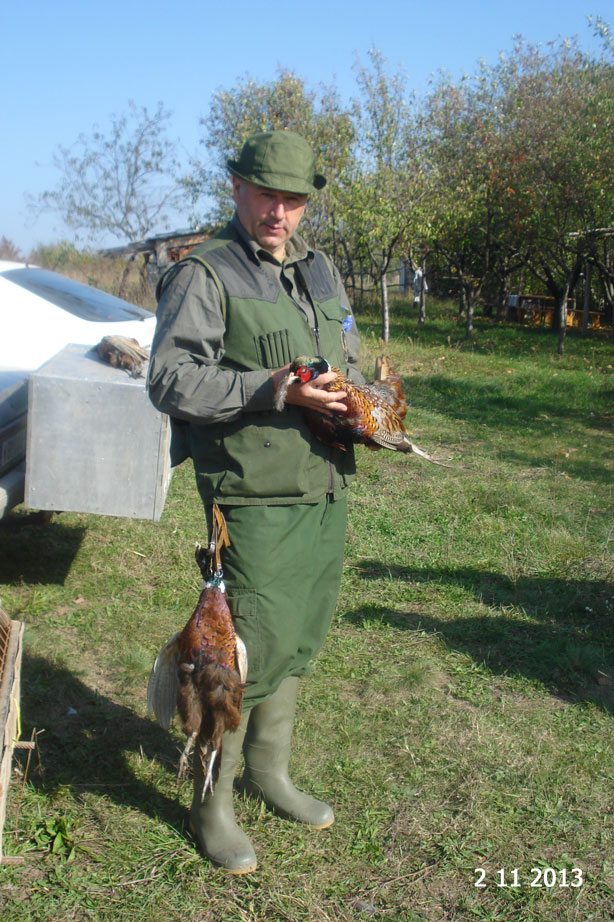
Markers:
<point>201,670</point>
<point>374,412</point>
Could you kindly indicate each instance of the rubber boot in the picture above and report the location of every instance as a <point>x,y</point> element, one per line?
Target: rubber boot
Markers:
<point>267,753</point>
<point>212,820</point>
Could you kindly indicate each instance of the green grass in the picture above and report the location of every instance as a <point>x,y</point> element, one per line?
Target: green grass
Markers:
<point>461,713</point>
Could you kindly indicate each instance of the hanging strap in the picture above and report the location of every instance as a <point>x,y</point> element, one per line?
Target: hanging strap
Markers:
<point>218,540</point>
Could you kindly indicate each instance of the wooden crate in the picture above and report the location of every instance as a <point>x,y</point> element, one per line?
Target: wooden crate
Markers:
<point>11,644</point>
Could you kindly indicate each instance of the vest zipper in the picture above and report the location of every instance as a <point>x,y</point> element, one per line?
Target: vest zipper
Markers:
<point>331,472</point>
<point>316,335</point>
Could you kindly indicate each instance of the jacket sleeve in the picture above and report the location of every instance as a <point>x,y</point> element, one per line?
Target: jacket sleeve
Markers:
<point>184,379</point>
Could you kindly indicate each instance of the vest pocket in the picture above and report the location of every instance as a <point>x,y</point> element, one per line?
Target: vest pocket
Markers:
<point>273,349</point>
<point>266,459</point>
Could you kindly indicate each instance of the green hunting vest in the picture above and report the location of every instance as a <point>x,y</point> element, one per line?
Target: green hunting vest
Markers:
<point>269,457</point>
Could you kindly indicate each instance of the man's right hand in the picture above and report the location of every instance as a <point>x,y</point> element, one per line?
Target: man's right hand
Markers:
<point>311,394</point>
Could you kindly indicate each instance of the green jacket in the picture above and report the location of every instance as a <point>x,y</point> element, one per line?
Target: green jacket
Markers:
<point>261,456</point>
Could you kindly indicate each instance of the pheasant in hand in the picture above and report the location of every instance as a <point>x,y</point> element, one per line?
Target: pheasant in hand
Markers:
<point>374,412</point>
<point>201,670</point>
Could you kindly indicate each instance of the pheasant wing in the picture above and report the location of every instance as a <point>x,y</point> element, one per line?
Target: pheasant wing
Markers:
<point>163,683</point>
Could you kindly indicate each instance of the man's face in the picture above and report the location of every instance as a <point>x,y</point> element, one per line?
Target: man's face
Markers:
<point>270,216</point>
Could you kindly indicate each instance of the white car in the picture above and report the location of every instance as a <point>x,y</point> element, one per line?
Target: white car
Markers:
<point>41,312</point>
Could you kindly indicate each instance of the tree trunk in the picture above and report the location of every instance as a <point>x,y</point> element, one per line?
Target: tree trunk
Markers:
<point>470,301</point>
<point>572,278</point>
<point>422,307</point>
<point>121,291</point>
<point>461,301</point>
<point>587,297</point>
<point>350,272</point>
<point>385,310</point>
<point>563,320</point>
<point>502,302</point>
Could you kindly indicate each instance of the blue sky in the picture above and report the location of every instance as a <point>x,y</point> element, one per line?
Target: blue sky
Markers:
<point>66,66</point>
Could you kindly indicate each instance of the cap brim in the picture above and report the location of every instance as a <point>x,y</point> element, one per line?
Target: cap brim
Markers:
<point>280,181</point>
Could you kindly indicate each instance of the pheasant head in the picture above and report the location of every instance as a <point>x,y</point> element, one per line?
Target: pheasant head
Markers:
<point>304,368</point>
<point>308,369</point>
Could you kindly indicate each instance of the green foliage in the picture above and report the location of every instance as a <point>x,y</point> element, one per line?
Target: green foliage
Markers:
<point>498,179</point>
<point>55,836</point>
<point>520,159</point>
<point>284,103</point>
<point>378,197</point>
<point>501,181</point>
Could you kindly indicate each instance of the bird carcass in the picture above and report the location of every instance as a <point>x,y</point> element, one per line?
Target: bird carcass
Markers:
<point>201,671</point>
<point>374,415</point>
<point>123,352</point>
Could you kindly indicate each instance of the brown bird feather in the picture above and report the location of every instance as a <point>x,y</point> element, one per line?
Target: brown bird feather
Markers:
<point>387,385</point>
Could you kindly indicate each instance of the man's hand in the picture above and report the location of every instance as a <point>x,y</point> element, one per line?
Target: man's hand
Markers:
<point>311,394</point>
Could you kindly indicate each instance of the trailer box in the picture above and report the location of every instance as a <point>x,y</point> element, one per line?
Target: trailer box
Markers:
<point>95,443</point>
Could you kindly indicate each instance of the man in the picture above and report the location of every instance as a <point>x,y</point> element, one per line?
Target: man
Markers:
<point>231,318</point>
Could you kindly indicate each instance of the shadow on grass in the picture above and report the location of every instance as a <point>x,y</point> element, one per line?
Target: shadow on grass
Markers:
<point>493,404</point>
<point>86,750</point>
<point>32,552</point>
<point>444,327</point>
<point>563,639</point>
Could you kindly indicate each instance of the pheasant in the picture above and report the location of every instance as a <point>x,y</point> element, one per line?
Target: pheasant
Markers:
<point>201,670</point>
<point>374,412</point>
<point>123,352</point>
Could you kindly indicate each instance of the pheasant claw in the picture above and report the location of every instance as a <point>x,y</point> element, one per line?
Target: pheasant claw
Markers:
<point>208,782</point>
<point>183,761</point>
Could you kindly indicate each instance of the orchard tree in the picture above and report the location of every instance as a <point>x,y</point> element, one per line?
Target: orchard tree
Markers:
<point>124,181</point>
<point>382,189</point>
<point>465,217</point>
<point>557,155</point>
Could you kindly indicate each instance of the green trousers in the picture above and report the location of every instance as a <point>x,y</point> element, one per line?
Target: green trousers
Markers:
<point>282,573</point>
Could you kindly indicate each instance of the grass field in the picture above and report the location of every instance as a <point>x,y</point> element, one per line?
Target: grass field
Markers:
<point>460,716</point>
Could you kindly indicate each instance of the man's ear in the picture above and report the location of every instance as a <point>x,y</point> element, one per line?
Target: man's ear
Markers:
<point>236,188</point>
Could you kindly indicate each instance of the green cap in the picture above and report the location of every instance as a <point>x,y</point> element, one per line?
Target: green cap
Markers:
<point>278,160</point>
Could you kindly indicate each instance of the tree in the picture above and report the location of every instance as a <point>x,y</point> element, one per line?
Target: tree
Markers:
<point>122,182</point>
<point>465,219</point>
<point>284,103</point>
<point>9,251</point>
<point>384,185</point>
<point>558,147</point>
